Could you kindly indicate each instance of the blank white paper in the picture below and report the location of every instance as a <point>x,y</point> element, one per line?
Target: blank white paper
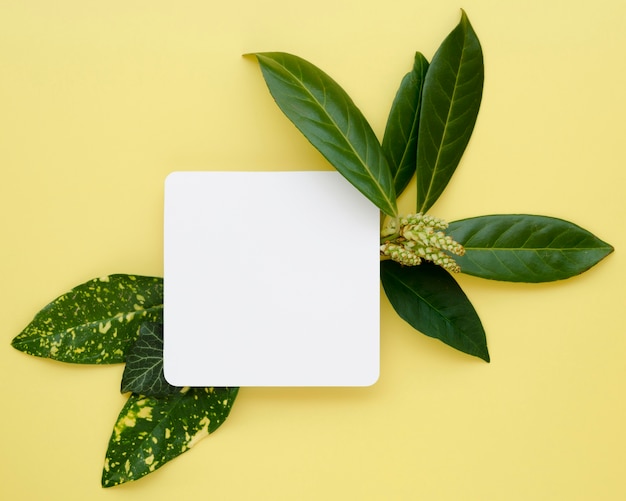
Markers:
<point>270,279</point>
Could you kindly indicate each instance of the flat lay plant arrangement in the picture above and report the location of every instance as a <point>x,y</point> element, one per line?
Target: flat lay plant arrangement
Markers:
<point>119,318</point>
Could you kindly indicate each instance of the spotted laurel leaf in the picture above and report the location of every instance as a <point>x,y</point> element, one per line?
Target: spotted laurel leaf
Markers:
<point>96,322</point>
<point>150,431</point>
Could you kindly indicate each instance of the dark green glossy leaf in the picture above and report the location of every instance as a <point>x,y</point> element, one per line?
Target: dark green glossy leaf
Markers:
<point>330,120</point>
<point>400,139</point>
<point>96,322</point>
<point>143,372</point>
<point>430,300</point>
<point>525,248</point>
<point>151,431</point>
<point>450,101</point>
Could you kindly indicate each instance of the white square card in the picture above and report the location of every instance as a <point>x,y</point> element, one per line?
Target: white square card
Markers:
<point>271,279</point>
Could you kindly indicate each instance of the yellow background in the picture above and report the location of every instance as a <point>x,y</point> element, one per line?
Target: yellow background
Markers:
<point>99,101</point>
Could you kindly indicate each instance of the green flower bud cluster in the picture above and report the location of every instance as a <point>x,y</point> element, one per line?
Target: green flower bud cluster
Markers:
<point>414,237</point>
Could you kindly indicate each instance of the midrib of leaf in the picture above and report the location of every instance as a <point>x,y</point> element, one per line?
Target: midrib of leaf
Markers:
<point>119,316</point>
<point>516,251</point>
<point>531,249</point>
<point>345,138</point>
<point>445,131</point>
<point>433,308</point>
<point>406,150</point>
<point>521,247</point>
<point>178,397</point>
<point>521,261</point>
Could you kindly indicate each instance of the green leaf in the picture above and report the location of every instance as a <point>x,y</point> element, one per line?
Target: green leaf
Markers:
<point>151,431</point>
<point>451,98</point>
<point>330,120</point>
<point>525,248</point>
<point>430,300</point>
<point>400,139</point>
<point>143,372</point>
<point>94,323</point>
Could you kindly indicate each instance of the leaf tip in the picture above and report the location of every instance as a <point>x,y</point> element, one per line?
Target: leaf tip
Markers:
<point>464,18</point>
<point>18,343</point>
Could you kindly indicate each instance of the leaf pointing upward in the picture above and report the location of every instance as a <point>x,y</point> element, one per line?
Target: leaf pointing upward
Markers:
<point>451,98</point>
<point>400,139</point>
<point>330,120</point>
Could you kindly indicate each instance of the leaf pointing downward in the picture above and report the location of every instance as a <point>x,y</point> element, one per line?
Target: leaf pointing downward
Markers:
<point>151,431</point>
<point>330,120</point>
<point>451,98</point>
<point>430,300</point>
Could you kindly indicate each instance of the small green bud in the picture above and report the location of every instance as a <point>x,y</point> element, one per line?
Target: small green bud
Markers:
<point>419,236</point>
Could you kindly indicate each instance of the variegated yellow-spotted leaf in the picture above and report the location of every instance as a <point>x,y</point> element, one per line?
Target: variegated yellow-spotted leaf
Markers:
<point>151,431</point>
<point>143,372</point>
<point>96,322</point>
